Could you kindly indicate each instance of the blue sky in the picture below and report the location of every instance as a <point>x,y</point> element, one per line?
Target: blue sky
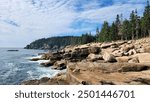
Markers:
<point>23,21</point>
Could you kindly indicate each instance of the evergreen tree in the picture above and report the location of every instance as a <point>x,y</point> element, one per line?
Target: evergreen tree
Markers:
<point>104,34</point>
<point>117,23</point>
<point>97,33</point>
<point>137,23</point>
<point>146,20</point>
<point>126,29</point>
<point>113,32</point>
<point>120,28</point>
<point>133,24</point>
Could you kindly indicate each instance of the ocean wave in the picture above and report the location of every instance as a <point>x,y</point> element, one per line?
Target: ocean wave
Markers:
<point>34,56</point>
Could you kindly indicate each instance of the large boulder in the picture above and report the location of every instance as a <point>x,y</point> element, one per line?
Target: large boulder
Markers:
<point>46,56</point>
<point>67,55</point>
<point>56,56</point>
<point>118,53</point>
<point>79,54</point>
<point>127,48</point>
<point>106,45</point>
<point>94,57</point>
<point>109,57</point>
<point>60,63</point>
<point>122,59</point>
<point>144,57</point>
<point>84,52</point>
<point>94,50</point>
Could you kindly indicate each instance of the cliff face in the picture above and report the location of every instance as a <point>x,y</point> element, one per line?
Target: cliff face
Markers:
<point>114,63</point>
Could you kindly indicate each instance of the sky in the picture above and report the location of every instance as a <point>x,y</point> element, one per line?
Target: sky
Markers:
<point>23,21</point>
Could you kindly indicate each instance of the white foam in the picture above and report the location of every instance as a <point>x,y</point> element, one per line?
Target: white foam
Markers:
<point>30,73</point>
<point>47,72</point>
<point>42,61</point>
<point>39,56</point>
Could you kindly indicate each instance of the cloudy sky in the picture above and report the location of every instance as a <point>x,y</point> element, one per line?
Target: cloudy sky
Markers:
<point>23,21</point>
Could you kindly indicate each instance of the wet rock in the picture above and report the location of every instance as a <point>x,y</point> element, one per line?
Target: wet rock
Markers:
<point>31,82</point>
<point>44,80</point>
<point>35,59</point>
<point>47,64</point>
<point>60,63</point>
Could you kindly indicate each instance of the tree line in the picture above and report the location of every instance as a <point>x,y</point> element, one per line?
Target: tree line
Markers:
<point>126,29</point>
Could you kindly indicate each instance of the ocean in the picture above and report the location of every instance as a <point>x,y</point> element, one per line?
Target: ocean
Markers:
<point>15,66</point>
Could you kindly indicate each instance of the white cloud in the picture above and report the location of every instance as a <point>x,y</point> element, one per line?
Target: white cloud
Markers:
<point>22,21</point>
<point>109,13</point>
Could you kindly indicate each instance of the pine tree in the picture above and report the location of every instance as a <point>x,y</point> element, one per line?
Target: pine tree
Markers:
<point>113,32</point>
<point>137,24</point>
<point>126,29</point>
<point>133,24</point>
<point>104,34</point>
<point>97,33</point>
<point>146,20</point>
<point>118,23</point>
<point>120,28</point>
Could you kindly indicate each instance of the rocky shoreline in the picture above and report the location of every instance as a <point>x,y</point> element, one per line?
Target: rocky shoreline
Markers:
<point>111,63</point>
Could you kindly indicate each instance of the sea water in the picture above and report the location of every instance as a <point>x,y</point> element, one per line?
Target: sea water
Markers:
<point>15,66</point>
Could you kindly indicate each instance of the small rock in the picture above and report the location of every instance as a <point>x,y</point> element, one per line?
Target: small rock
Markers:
<point>104,82</point>
<point>35,59</point>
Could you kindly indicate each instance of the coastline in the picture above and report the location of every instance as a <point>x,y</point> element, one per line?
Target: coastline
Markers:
<point>111,63</point>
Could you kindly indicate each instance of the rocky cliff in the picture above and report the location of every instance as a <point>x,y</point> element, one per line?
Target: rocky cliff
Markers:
<point>112,63</point>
